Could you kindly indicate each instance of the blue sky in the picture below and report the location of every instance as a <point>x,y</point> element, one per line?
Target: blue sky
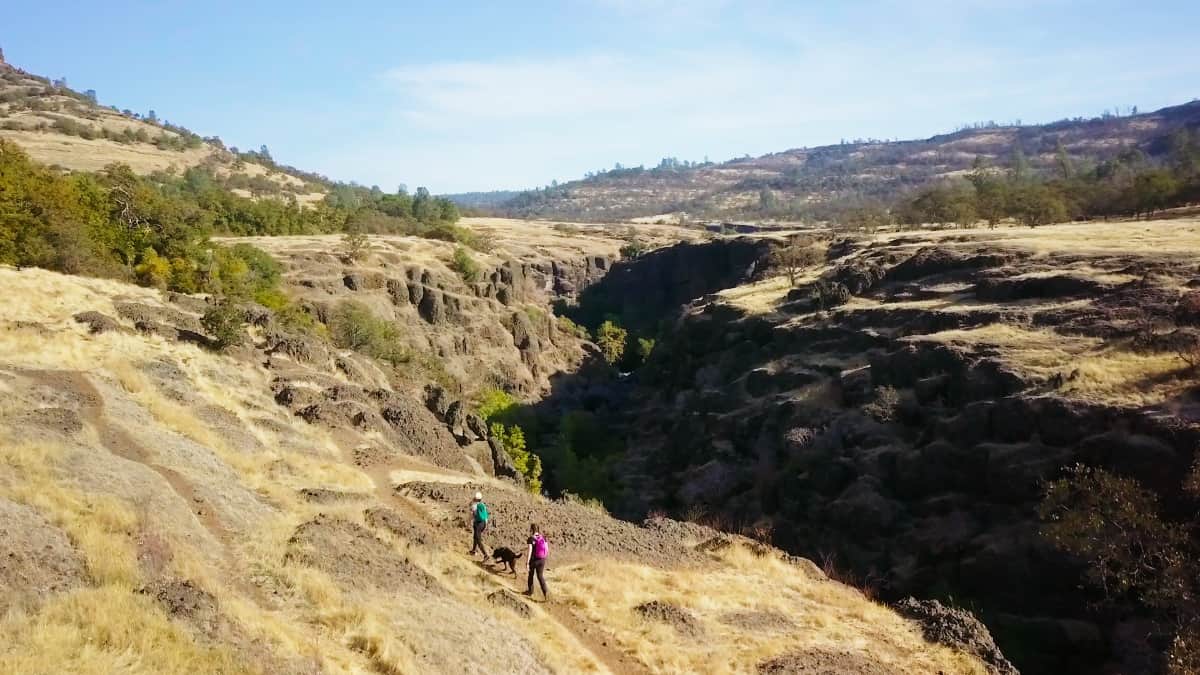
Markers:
<point>475,96</point>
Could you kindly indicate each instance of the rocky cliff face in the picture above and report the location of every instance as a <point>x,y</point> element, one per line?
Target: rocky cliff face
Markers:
<point>653,287</point>
<point>906,431</point>
<point>493,332</point>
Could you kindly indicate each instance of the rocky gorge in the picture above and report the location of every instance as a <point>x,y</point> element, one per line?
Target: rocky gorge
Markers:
<point>898,412</point>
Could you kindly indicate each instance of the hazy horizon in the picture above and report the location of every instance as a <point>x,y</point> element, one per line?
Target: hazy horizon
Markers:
<point>478,97</point>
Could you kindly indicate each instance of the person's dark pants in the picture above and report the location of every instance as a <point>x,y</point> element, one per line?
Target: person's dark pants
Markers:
<point>537,566</point>
<point>477,544</point>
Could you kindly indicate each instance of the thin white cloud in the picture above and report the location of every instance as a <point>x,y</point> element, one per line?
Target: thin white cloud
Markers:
<point>883,70</point>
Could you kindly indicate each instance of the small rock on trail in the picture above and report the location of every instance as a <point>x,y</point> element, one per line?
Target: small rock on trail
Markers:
<point>682,620</point>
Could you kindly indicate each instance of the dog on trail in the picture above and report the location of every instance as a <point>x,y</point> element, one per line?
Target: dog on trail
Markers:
<point>507,557</point>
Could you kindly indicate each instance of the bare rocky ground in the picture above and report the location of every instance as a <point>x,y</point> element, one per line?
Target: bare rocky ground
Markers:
<point>281,509</point>
<point>38,560</point>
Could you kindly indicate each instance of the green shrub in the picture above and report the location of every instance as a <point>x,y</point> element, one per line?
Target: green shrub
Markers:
<point>581,458</point>
<point>354,245</point>
<point>224,322</point>
<point>153,270</point>
<point>566,325</point>
<point>465,265</point>
<point>496,404</point>
<point>288,313</point>
<point>644,347</point>
<point>611,338</point>
<point>354,326</point>
<point>183,276</point>
<point>512,437</point>
<point>635,248</point>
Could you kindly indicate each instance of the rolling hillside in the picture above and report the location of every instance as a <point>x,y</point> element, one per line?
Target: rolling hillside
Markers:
<point>813,182</point>
<point>59,126</point>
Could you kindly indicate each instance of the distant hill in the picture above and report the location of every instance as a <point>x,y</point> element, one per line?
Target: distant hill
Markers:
<point>482,200</point>
<point>813,182</point>
<point>59,126</point>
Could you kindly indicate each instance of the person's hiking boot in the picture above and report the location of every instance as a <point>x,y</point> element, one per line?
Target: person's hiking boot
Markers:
<point>529,593</point>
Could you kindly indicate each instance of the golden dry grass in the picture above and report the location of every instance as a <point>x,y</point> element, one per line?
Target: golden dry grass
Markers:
<point>826,614</point>
<point>1092,369</point>
<point>1153,238</point>
<point>102,631</point>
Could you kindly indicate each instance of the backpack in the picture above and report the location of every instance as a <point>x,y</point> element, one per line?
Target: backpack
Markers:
<point>541,548</point>
<point>481,513</point>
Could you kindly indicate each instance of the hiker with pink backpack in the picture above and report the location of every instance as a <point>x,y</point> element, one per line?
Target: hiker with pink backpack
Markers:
<point>535,561</point>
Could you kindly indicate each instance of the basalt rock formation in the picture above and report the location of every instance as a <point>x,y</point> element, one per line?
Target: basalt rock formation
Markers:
<point>905,432</point>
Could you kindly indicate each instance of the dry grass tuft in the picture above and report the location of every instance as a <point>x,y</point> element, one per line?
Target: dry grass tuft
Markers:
<point>100,526</point>
<point>102,631</point>
<point>1090,368</point>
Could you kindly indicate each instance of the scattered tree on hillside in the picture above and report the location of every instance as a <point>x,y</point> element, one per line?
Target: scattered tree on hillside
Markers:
<point>795,257</point>
<point>991,193</point>
<point>354,243</point>
<point>1038,204</point>
<point>224,322</point>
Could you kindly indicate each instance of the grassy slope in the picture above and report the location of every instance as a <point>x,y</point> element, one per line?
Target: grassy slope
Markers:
<point>152,489</point>
<point>53,147</point>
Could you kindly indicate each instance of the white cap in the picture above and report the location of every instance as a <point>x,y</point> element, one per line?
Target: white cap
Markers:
<point>478,496</point>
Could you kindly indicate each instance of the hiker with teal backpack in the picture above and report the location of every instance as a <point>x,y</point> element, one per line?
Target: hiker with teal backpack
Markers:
<point>535,561</point>
<point>479,521</point>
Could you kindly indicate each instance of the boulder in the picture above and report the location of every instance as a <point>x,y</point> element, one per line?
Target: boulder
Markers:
<point>863,509</point>
<point>1015,471</point>
<point>437,400</point>
<point>398,291</point>
<point>432,307</point>
<point>856,386</point>
<point>1055,286</point>
<point>456,418</point>
<point>504,467</point>
<point>297,347</point>
<point>523,333</point>
<point>956,628</point>
<point>1187,310</point>
<point>935,260</point>
<point>939,467</point>
<point>295,397</point>
<point>1145,458</point>
<point>97,322</point>
<point>477,426</point>
<point>709,483</point>
<point>363,281</point>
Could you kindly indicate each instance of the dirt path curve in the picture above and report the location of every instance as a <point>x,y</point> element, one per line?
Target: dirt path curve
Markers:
<point>598,642</point>
<point>120,443</point>
<point>602,646</point>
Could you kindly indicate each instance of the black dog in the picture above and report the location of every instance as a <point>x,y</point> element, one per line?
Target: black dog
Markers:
<point>506,556</point>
